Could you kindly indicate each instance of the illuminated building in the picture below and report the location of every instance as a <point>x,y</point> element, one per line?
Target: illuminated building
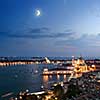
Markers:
<point>80,67</point>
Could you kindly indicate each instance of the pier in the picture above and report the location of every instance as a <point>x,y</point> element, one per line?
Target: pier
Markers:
<point>57,71</point>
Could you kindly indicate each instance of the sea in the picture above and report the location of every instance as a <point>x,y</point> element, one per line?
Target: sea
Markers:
<point>14,79</point>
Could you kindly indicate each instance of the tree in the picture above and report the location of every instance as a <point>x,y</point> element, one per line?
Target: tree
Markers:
<point>73,90</point>
<point>58,92</point>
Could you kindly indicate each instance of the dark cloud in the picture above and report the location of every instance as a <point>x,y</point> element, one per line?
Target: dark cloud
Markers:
<point>36,36</point>
<point>98,34</point>
<point>38,33</point>
<point>39,30</point>
<point>4,34</point>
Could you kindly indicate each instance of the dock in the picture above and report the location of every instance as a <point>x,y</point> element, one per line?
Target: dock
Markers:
<point>57,71</point>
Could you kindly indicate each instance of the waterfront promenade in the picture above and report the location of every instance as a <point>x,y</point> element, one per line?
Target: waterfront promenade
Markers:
<point>8,61</point>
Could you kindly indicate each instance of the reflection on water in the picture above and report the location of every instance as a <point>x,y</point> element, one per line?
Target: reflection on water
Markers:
<point>58,77</point>
<point>65,78</point>
<point>45,81</point>
<point>22,77</point>
<point>45,78</point>
<point>48,80</point>
<point>50,76</point>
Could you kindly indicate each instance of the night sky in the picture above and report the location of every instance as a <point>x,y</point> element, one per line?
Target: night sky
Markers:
<point>59,28</point>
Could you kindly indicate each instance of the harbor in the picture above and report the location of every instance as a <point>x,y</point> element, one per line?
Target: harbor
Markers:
<point>8,61</point>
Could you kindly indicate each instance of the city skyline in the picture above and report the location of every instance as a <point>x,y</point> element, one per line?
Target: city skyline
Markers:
<point>60,28</point>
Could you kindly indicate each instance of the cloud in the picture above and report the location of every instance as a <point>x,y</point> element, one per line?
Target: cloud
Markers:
<point>98,34</point>
<point>39,30</point>
<point>4,33</point>
<point>38,33</point>
<point>38,36</point>
<point>45,33</point>
<point>76,40</point>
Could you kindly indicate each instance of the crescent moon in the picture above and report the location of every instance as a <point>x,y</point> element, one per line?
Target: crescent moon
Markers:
<point>38,13</point>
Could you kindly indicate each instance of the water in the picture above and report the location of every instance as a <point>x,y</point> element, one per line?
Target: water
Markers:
<point>21,77</point>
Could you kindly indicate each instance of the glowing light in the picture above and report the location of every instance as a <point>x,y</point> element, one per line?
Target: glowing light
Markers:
<point>45,78</point>
<point>37,12</point>
<point>58,76</point>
